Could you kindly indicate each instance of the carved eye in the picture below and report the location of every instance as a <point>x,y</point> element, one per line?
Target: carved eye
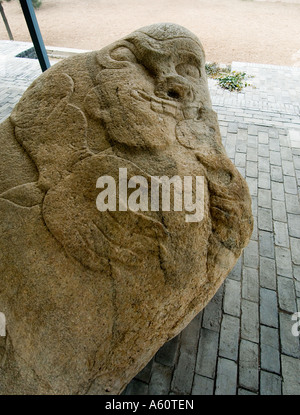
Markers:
<point>187,69</point>
<point>122,53</point>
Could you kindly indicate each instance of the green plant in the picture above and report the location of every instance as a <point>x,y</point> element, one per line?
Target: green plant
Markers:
<point>235,81</point>
<point>227,79</point>
<point>214,70</point>
<point>36,3</point>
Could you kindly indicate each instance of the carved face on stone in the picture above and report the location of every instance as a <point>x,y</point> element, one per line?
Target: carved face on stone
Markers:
<point>152,80</point>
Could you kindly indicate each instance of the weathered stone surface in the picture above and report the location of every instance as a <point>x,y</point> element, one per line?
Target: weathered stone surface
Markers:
<point>90,296</point>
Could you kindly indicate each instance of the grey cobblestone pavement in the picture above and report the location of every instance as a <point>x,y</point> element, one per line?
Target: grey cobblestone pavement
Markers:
<point>242,342</point>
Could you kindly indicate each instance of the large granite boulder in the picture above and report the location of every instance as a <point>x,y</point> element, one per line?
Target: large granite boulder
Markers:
<point>89,295</point>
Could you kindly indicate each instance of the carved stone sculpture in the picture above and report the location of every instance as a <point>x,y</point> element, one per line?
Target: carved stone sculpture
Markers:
<point>89,296</point>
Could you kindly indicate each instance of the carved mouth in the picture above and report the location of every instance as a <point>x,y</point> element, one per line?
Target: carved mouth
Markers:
<point>165,106</point>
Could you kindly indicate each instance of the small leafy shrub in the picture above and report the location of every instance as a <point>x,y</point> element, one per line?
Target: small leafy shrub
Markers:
<point>227,79</point>
<point>235,81</point>
<point>214,70</point>
<point>36,3</point>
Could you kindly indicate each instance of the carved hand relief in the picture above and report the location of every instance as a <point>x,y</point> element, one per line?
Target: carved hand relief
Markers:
<point>100,268</point>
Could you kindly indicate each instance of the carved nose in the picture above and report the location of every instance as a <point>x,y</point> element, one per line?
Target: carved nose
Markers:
<point>174,87</point>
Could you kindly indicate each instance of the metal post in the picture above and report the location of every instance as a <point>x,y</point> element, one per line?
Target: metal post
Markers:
<point>35,33</point>
<point>5,22</point>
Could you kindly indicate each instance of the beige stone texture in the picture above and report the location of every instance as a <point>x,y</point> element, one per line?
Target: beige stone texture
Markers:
<point>88,296</point>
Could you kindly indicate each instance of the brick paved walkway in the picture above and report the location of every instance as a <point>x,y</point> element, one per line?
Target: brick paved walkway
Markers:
<point>242,342</point>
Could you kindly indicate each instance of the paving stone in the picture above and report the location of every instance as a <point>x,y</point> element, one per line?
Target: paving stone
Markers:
<point>270,354</point>
<point>286,154</point>
<point>252,129</point>
<point>264,198</point>
<point>276,174</point>
<point>232,297</point>
<point>283,261</point>
<point>202,386</point>
<point>268,308</point>
<point>207,353</point>
<point>294,225</point>
<point>252,141</point>
<point>270,384</point>
<point>294,137</point>
<point>279,211</point>
<point>249,321</point>
<point>298,176</point>
<point>252,184</point>
<point>290,185</point>
<point>275,158</point>
<point>229,337</point>
<point>286,294</point>
<point>267,273</point>
<point>284,141</point>
<point>248,365</point>
<point>292,204</point>
<point>296,160</point>
<point>254,200</point>
<point>242,171</point>
<point>289,343</point>
<point>241,147</point>
<point>296,269</point>
<point>263,150</point>
<point>265,219</point>
<point>223,131</point>
<point>252,155</point>
<point>242,391</point>
<point>212,313</point>
<point>145,374</point>
<point>230,150</point>
<point>236,272</point>
<point>277,190</point>
<point>251,255</point>
<point>295,248</point>
<point>297,288</point>
<point>254,235</point>
<point>266,244</point>
<point>264,164</point>
<point>136,387</point>
<point>250,285</point>
<point>160,379</point>
<point>288,168</point>
<point>242,134</point>
<point>274,144</point>
<point>281,234</point>
<point>251,169</point>
<point>242,125</point>
<point>240,160</point>
<point>290,374</point>
<point>226,381</point>
<point>232,127</point>
<point>264,181</point>
<point>183,375</point>
<point>230,145</point>
<point>263,137</point>
<point>167,354</point>
<point>273,132</point>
